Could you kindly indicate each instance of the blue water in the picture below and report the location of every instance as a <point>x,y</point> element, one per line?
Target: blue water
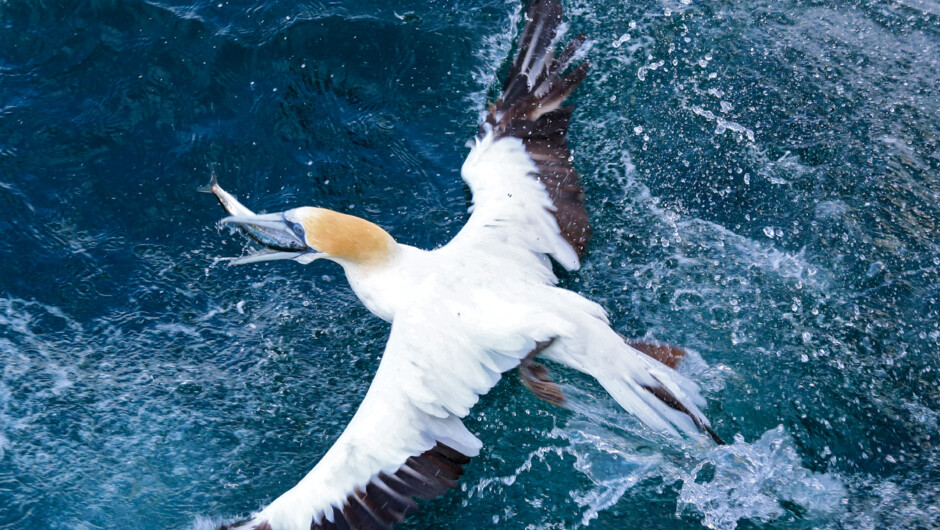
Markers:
<point>762,178</point>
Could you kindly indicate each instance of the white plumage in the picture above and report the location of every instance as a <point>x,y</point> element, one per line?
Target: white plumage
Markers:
<point>465,313</point>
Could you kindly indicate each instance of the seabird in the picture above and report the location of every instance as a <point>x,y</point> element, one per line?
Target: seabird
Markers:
<point>462,314</point>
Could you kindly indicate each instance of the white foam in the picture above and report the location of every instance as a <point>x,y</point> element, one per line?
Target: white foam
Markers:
<point>754,481</point>
<point>723,484</point>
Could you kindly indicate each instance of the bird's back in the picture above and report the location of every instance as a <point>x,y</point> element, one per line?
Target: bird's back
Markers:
<point>448,276</point>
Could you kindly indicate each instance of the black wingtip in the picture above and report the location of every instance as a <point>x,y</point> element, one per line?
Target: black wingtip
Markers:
<point>531,108</point>
<point>388,498</point>
<point>663,394</point>
<point>714,436</point>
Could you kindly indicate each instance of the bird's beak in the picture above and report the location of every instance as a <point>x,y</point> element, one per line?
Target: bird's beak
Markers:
<point>278,236</point>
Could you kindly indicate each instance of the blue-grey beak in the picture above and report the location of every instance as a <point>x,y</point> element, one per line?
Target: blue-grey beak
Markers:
<point>282,239</point>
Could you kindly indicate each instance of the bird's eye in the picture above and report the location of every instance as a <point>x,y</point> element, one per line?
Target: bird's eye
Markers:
<point>298,229</point>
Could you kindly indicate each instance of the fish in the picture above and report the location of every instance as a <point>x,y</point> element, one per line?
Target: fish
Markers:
<point>273,240</point>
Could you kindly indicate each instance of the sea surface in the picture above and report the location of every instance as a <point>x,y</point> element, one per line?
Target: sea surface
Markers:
<point>763,179</point>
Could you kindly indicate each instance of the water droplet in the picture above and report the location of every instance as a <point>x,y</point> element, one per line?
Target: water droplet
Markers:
<point>622,39</point>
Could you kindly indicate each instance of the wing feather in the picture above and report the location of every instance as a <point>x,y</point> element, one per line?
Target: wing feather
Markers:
<point>527,199</point>
<point>407,439</point>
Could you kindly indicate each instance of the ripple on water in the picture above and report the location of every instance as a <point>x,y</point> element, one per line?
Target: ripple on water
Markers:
<point>762,180</point>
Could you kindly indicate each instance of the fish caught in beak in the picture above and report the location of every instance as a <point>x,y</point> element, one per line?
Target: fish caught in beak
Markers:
<point>282,238</point>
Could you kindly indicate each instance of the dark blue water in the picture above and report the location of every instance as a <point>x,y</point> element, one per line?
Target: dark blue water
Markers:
<point>763,181</point>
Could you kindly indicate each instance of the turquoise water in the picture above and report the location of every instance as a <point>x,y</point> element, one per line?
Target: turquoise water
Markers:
<point>762,178</point>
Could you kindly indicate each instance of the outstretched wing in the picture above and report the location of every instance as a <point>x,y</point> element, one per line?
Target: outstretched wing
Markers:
<point>407,439</point>
<point>527,201</point>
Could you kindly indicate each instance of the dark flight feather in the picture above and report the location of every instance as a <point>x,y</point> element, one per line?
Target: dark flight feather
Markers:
<point>530,108</point>
<point>387,499</point>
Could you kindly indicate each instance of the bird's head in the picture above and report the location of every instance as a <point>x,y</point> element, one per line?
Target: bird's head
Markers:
<point>306,234</point>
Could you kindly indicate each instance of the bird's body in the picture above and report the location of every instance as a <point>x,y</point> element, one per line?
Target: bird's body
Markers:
<point>457,325</point>
<point>467,312</point>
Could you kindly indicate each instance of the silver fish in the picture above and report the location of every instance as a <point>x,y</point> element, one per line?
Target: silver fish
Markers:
<point>272,238</point>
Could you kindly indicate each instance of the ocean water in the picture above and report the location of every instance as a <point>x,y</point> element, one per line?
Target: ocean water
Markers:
<point>763,182</point>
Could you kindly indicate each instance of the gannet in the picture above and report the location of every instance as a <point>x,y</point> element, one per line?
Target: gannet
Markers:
<point>465,313</point>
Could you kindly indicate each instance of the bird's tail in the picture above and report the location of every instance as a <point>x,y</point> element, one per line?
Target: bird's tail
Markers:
<point>659,396</point>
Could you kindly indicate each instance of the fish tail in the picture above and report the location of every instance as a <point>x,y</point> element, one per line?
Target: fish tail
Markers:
<point>210,187</point>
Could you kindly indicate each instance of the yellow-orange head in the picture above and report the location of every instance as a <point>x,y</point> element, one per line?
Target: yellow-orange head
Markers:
<point>342,236</point>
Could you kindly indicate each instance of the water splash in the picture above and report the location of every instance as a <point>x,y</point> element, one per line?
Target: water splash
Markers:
<point>760,481</point>
<point>763,481</point>
<point>722,125</point>
<point>610,463</point>
<point>489,55</point>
